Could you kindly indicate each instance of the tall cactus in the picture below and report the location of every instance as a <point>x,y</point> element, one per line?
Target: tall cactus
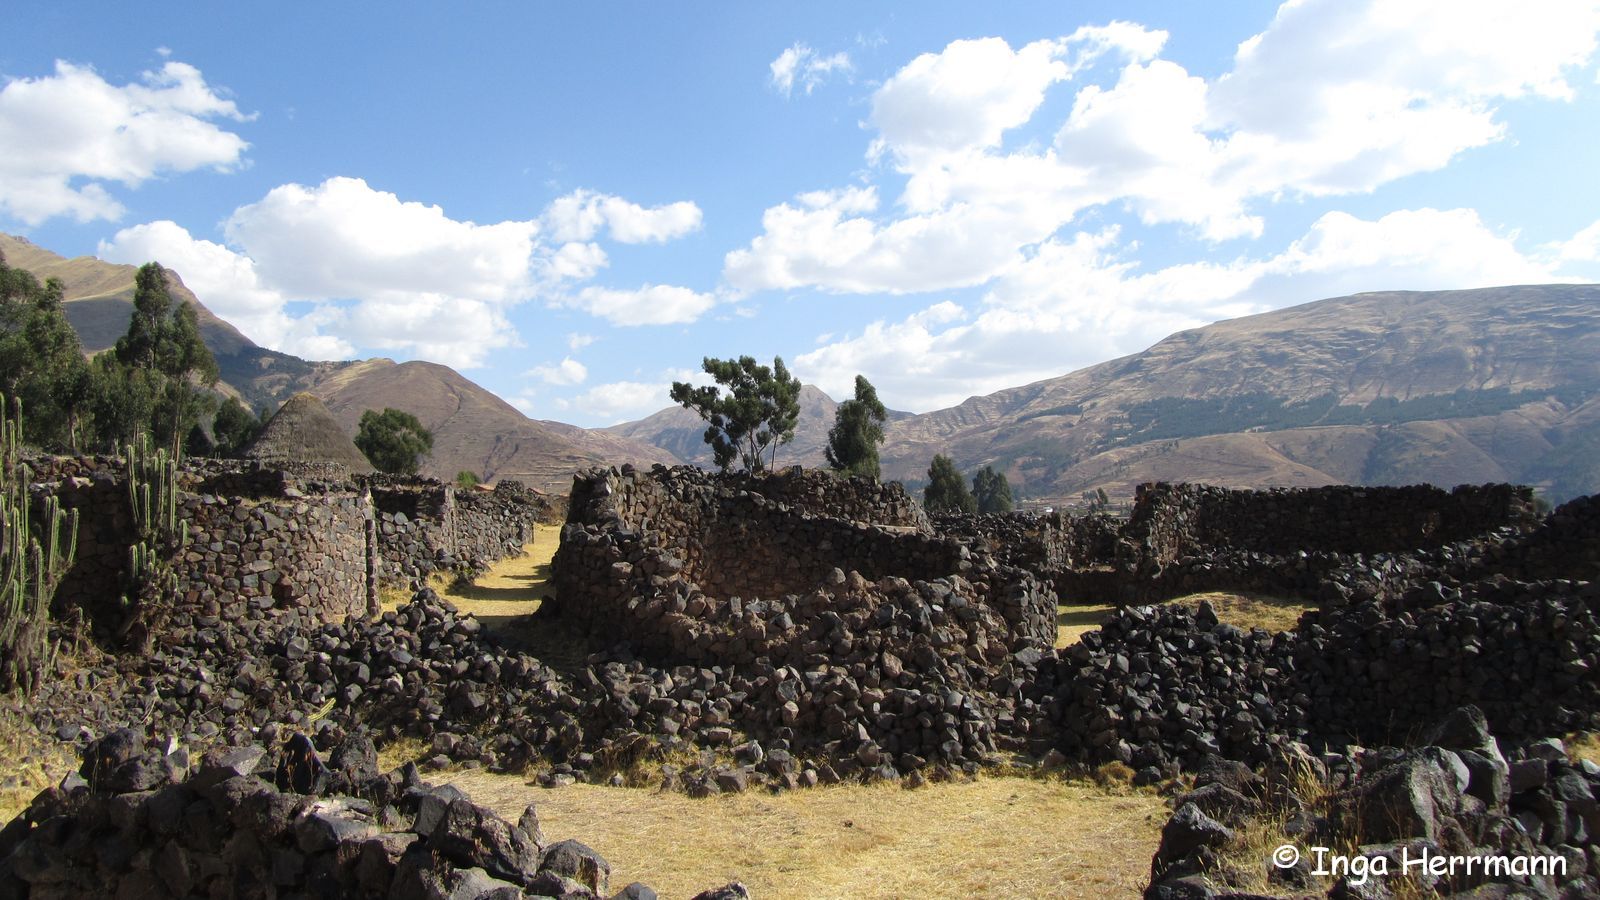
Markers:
<point>30,571</point>
<point>152,477</point>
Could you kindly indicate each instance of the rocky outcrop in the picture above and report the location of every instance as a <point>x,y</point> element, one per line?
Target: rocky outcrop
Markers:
<point>1360,822</point>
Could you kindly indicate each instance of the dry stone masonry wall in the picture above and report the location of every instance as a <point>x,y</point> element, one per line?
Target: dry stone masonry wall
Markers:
<point>425,526</point>
<point>263,538</point>
<point>139,821</point>
<point>877,633</point>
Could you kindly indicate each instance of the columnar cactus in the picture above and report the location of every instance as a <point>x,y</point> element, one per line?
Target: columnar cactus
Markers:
<point>30,570</point>
<point>152,477</point>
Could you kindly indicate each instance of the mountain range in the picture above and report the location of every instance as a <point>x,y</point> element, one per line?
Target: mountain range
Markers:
<point>1448,387</point>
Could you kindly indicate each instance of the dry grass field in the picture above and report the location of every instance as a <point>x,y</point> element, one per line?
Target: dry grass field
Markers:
<point>1243,610</point>
<point>33,762</point>
<point>993,837</point>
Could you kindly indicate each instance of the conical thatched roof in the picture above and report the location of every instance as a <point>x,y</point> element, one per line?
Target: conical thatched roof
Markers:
<point>303,431</point>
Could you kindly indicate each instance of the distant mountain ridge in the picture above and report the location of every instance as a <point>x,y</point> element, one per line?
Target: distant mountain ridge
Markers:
<point>1379,388</point>
<point>1448,387</point>
<point>474,430</point>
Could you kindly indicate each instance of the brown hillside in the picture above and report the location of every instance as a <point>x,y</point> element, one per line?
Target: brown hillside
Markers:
<point>472,428</point>
<point>1526,360</point>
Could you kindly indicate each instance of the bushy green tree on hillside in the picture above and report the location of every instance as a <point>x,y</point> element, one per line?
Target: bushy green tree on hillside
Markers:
<point>992,491</point>
<point>947,490</point>
<point>41,361</point>
<point>153,378</point>
<point>393,440</point>
<point>857,431</point>
<point>758,413</point>
<point>233,427</point>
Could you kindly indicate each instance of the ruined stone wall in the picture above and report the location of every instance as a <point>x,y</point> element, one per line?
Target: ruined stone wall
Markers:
<point>251,822</point>
<point>1170,521</point>
<point>259,539</point>
<point>427,526</point>
<point>692,567</point>
<point>313,553</point>
<point>1168,684</point>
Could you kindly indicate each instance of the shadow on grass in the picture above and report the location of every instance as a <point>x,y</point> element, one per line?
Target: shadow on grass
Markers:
<point>553,643</point>
<point>1078,617</point>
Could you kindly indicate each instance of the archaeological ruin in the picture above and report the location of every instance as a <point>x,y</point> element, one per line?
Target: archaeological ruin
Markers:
<point>786,630</point>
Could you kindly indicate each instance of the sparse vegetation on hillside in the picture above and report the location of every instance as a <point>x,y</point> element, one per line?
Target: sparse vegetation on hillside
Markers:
<point>393,440</point>
<point>757,415</point>
<point>857,431</point>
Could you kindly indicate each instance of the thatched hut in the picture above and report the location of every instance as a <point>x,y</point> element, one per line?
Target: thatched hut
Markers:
<point>304,432</point>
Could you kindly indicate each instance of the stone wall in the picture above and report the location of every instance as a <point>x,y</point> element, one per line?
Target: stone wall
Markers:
<point>426,526</point>
<point>259,539</point>
<point>311,552</point>
<point>137,821</point>
<point>1324,544</point>
<point>879,633</point>
<point>1158,685</point>
<point>1173,520</point>
<point>264,539</point>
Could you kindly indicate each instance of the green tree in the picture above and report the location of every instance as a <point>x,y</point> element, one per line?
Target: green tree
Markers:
<point>41,361</point>
<point>991,490</point>
<point>857,431</point>
<point>947,490</point>
<point>233,427</point>
<point>393,440</point>
<point>759,412</point>
<point>123,400</point>
<point>466,479</point>
<point>163,341</point>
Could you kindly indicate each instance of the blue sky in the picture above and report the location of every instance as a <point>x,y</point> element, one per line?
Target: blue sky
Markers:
<point>574,203</point>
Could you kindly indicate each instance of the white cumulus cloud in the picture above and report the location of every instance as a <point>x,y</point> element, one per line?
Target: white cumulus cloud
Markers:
<point>379,272</point>
<point>580,215</point>
<point>229,285</point>
<point>800,65</point>
<point>652,304</point>
<point>66,136</point>
<point>620,401</point>
<point>566,373</point>
<point>1333,97</point>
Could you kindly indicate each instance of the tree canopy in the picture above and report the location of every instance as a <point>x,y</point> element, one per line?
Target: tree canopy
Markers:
<point>758,414</point>
<point>393,440</point>
<point>992,491</point>
<point>152,378</point>
<point>857,431</point>
<point>947,490</point>
<point>233,427</point>
<point>41,361</point>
